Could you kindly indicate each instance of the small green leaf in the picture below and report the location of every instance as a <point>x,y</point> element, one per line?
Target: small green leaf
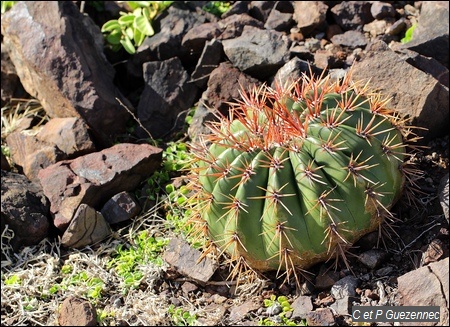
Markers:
<point>143,25</point>
<point>128,45</point>
<point>112,25</point>
<point>114,38</point>
<point>126,20</point>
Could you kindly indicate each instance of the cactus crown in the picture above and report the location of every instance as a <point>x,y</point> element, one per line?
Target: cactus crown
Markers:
<point>297,174</point>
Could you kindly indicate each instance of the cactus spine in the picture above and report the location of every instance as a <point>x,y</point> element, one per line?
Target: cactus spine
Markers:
<point>297,174</point>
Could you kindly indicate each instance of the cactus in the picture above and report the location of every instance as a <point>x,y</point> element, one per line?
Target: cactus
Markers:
<point>295,175</point>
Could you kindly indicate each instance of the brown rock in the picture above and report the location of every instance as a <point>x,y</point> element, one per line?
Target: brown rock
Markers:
<point>57,57</point>
<point>320,317</point>
<point>31,154</point>
<point>86,227</point>
<point>309,15</point>
<point>238,312</point>
<point>427,286</point>
<point>77,312</point>
<point>184,259</point>
<point>96,177</point>
<point>301,306</point>
<point>70,135</point>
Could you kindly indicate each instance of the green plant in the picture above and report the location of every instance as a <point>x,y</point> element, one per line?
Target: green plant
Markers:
<point>130,30</point>
<point>296,174</point>
<point>6,5</point>
<point>408,34</point>
<point>281,319</point>
<point>217,8</point>
<point>180,317</point>
<point>127,261</point>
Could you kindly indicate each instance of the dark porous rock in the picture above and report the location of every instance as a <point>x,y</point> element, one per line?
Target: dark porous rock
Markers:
<point>32,155</point>
<point>175,22</point>
<point>352,14</point>
<point>344,305</point>
<point>25,209</point>
<point>310,15</point>
<point>71,76</point>
<point>209,60</point>
<point>427,286</point>
<point>10,82</point>
<point>430,38</point>
<point>260,9</point>
<point>320,317</point>
<point>70,135</point>
<point>380,10</point>
<point>351,39</point>
<point>94,178</point>
<point>77,312</point>
<point>167,94</point>
<point>279,21</point>
<point>194,40</point>
<point>292,71</point>
<point>413,93</point>
<point>223,86</point>
<point>121,207</point>
<point>180,255</point>
<point>372,258</point>
<point>428,65</point>
<point>233,25</point>
<point>5,163</point>
<point>237,8</point>
<point>87,227</point>
<point>258,53</point>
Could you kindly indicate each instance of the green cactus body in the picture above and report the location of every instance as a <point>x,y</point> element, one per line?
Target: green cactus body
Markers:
<point>295,174</point>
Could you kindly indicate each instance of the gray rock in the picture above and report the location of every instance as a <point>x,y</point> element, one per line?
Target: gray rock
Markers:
<point>59,62</point>
<point>344,305</point>
<point>345,287</point>
<point>25,209</point>
<point>167,94</point>
<point>180,255</point>
<point>279,21</point>
<point>237,313</point>
<point>351,39</point>
<point>413,92</point>
<point>87,227</point>
<point>372,258</point>
<point>259,53</point>
<point>380,10</point>
<point>430,38</point>
<point>301,306</point>
<point>352,14</point>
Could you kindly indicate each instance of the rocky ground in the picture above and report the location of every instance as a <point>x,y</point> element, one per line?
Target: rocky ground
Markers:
<point>89,158</point>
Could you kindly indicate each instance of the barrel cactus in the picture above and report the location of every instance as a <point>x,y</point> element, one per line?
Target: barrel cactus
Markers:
<point>297,174</point>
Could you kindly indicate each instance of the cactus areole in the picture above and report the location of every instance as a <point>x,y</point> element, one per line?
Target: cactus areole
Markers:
<point>297,174</point>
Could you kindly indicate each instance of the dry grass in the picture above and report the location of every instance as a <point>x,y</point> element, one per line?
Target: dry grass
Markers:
<point>31,298</point>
